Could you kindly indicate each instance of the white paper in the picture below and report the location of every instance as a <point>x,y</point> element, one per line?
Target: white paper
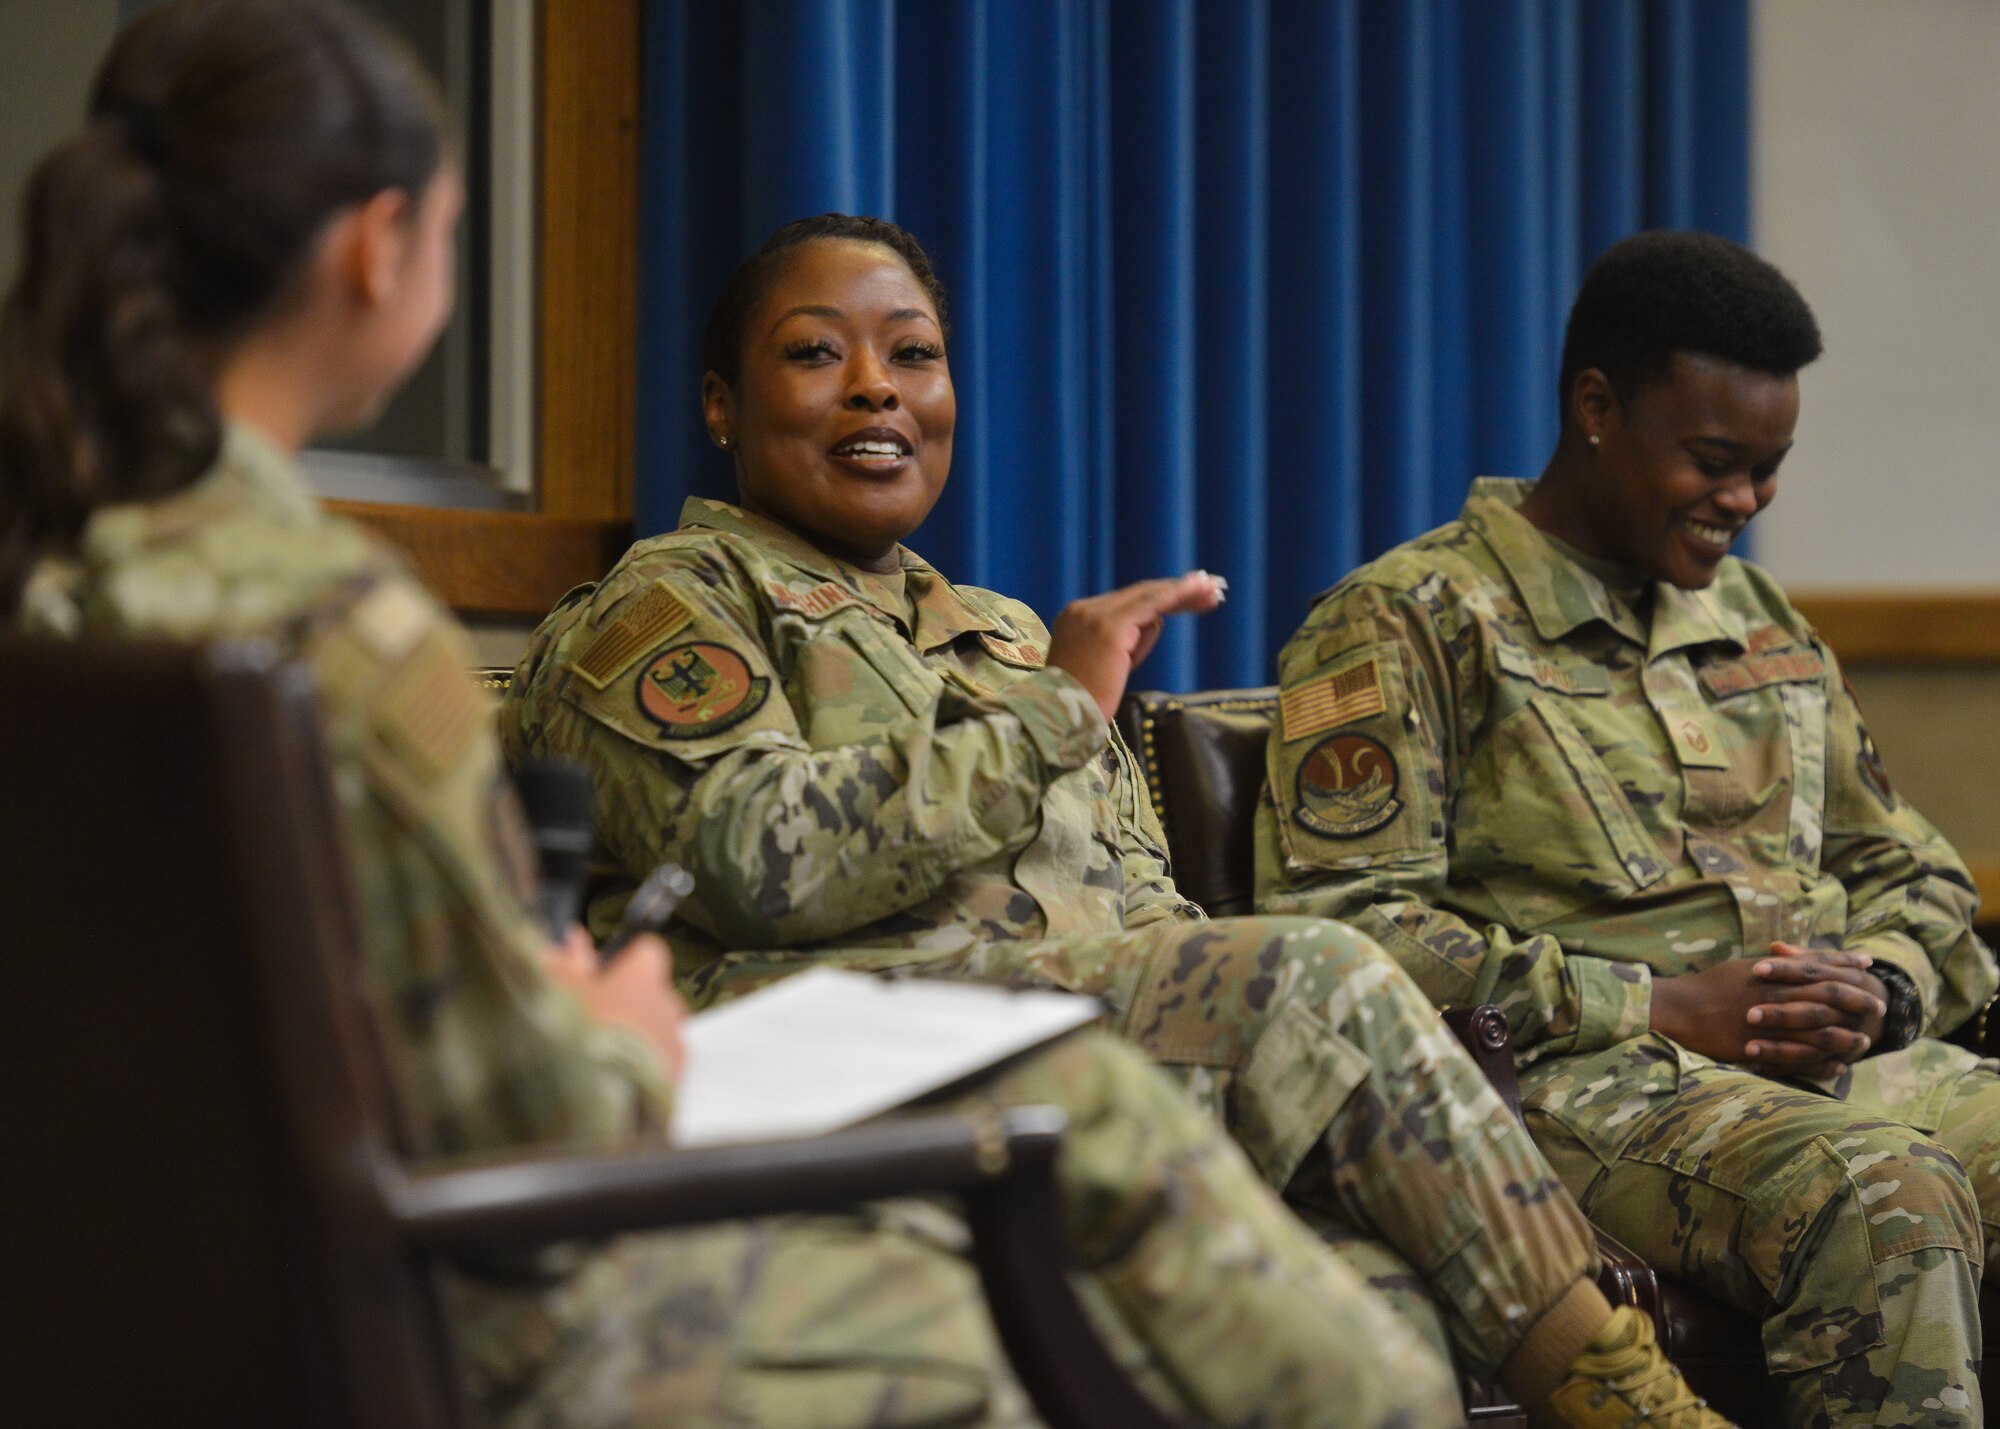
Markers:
<point>828,1048</point>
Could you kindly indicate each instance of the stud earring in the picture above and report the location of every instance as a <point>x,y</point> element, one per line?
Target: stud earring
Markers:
<point>723,442</point>
<point>1593,439</point>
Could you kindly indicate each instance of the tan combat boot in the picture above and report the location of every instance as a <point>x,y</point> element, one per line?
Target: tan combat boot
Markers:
<point>1620,1381</point>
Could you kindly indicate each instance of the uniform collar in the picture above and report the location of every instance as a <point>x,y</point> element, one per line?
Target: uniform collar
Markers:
<point>272,478</point>
<point>943,612</point>
<point>1561,595</point>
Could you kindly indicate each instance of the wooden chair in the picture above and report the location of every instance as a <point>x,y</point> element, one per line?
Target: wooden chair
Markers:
<point>211,1217</point>
<point>1204,760</point>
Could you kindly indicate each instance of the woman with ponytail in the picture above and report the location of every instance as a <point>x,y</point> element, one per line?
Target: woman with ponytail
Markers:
<point>249,244</point>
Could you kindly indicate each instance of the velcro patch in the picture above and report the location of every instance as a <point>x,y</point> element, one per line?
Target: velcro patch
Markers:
<point>1347,787</point>
<point>430,709</point>
<point>391,619</point>
<point>653,617</point>
<point>699,689</point>
<point>1546,673</point>
<point>1009,652</point>
<point>822,600</point>
<point>1755,671</point>
<point>1341,697</point>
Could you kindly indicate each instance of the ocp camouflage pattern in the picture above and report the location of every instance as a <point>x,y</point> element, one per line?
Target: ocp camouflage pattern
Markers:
<point>1600,782</point>
<point>919,792</point>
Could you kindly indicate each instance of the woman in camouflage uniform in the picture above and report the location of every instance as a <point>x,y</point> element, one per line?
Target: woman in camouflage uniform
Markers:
<point>867,764</point>
<point>1590,766</point>
<point>248,244</point>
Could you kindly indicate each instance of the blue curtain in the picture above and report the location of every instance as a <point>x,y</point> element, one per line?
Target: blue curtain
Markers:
<point>1255,285</point>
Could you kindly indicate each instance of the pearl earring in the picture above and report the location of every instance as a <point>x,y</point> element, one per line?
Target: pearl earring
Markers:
<point>1593,439</point>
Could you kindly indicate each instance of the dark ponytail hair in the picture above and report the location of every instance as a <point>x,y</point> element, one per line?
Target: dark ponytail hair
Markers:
<point>222,135</point>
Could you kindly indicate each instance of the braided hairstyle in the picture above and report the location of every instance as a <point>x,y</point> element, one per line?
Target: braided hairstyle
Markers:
<point>222,135</point>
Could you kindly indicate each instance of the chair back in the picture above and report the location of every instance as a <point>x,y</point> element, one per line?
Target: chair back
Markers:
<point>193,1137</point>
<point>1204,760</point>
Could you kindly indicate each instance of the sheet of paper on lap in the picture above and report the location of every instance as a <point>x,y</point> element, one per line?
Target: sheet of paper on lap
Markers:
<point>827,1048</point>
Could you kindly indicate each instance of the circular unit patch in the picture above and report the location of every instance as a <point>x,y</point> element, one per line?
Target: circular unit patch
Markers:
<point>1347,787</point>
<point>696,690</point>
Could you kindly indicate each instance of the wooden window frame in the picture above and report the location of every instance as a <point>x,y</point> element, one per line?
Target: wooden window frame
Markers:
<point>510,563</point>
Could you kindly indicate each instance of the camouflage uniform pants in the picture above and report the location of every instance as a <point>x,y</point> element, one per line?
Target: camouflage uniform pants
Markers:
<point>1209,1291</point>
<point>1850,1227</point>
<point>1336,1076</point>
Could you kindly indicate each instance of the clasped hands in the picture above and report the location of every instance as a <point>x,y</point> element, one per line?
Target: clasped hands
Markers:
<point>1798,1013</point>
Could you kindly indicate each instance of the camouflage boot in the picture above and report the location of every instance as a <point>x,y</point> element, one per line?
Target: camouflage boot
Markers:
<point>1621,1380</point>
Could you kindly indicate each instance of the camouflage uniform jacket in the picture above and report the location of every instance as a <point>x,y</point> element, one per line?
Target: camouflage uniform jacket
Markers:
<point>1531,793</point>
<point>835,766</point>
<point>495,1054</point>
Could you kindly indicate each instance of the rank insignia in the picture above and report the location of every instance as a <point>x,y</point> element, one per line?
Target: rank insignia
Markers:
<point>696,690</point>
<point>1347,787</point>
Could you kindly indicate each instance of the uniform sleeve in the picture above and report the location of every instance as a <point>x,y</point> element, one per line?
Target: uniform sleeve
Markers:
<point>1365,770</point>
<point>810,800</point>
<point>1910,899</point>
<point>497,1054</point>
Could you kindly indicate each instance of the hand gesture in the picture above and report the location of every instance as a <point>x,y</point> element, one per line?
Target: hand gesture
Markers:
<point>1102,638</point>
<point>635,990</point>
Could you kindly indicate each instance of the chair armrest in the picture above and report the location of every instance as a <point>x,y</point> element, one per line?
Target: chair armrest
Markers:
<point>528,1203</point>
<point>1625,1279</point>
<point>1486,1037</point>
<point>1003,1168</point>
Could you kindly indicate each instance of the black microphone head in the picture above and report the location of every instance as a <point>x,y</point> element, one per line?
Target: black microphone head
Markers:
<point>558,799</point>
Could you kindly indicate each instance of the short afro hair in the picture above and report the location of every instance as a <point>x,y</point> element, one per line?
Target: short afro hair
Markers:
<point>722,340</point>
<point>1662,292</point>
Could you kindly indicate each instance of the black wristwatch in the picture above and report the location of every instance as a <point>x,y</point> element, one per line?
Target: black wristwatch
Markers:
<point>1904,1021</point>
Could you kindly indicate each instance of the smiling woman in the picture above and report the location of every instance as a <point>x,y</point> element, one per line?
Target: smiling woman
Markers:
<point>840,417</point>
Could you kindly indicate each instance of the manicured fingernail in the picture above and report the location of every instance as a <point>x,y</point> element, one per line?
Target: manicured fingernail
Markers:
<point>1763,970</point>
<point>1865,1042</point>
<point>1753,1049</point>
<point>1756,1014</point>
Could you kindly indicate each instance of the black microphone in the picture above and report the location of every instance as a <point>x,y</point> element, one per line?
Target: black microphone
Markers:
<point>557,797</point>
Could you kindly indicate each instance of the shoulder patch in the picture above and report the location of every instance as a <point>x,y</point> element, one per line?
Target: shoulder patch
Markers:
<point>1019,654</point>
<point>822,600</point>
<point>652,618</point>
<point>699,689</point>
<point>1347,787</point>
<point>1339,697</point>
<point>430,709</point>
<point>391,619</point>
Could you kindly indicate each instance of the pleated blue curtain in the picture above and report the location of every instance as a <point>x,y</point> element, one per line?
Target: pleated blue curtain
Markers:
<point>1255,285</point>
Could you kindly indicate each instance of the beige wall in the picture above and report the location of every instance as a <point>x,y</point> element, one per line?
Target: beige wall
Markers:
<point>1936,728</point>
<point>48,51</point>
<point>1876,187</point>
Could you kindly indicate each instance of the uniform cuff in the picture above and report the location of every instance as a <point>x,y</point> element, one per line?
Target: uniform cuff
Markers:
<point>1907,957</point>
<point>1614,1001</point>
<point>1061,718</point>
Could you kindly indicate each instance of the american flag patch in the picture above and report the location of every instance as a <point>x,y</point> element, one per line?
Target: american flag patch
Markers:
<point>430,709</point>
<point>653,617</point>
<point>1336,699</point>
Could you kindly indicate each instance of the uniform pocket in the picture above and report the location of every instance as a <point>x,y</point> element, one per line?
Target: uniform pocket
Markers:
<point>1562,835</point>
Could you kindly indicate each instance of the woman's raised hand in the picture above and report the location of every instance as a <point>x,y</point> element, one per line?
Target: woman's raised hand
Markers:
<point>1101,639</point>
